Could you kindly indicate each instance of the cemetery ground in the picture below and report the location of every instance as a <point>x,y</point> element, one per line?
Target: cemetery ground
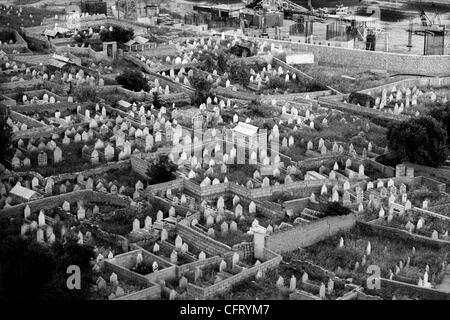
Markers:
<point>406,260</point>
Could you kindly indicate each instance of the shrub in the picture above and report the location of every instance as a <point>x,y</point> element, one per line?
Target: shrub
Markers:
<point>118,34</point>
<point>161,170</point>
<point>335,209</point>
<point>133,80</point>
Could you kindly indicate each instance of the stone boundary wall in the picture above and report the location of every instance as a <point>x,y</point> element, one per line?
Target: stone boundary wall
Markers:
<point>25,85</point>
<point>308,234</point>
<point>376,229</point>
<point>71,197</point>
<point>360,110</point>
<point>151,293</point>
<point>296,205</point>
<point>119,165</point>
<point>174,185</point>
<point>185,268</point>
<point>166,273</point>
<point>83,51</point>
<point>30,122</point>
<point>202,241</point>
<point>49,107</point>
<point>409,83</point>
<point>432,65</point>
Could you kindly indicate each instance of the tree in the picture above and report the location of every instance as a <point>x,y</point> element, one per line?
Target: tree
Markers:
<point>161,170</point>
<point>222,62</point>
<point>335,209</point>
<point>240,74</point>
<point>156,100</point>
<point>133,80</point>
<point>118,34</point>
<point>419,140</point>
<point>442,114</point>
<point>202,88</point>
<point>6,150</point>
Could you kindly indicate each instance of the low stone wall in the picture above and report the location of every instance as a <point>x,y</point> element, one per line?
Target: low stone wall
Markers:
<point>272,262</point>
<point>30,122</point>
<point>25,85</point>
<point>177,184</point>
<point>185,268</point>
<point>296,205</point>
<point>395,233</point>
<point>202,241</point>
<point>361,110</point>
<point>119,165</point>
<point>307,234</point>
<point>411,289</point>
<point>151,293</point>
<point>410,83</point>
<point>71,197</point>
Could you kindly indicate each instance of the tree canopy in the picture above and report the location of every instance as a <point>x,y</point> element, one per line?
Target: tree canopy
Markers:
<point>202,88</point>
<point>161,170</point>
<point>118,34</point>
<point>30,270</point>
<point>133,80</point>
<point>419,140</point>
<point>442,114</point>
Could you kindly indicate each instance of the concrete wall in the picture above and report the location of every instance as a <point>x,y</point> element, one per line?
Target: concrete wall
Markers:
<point>308,234</point>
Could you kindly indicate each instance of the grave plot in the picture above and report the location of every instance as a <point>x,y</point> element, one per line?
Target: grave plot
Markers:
<point>313,283</point>
<point>229,221</point>
<point>349,254</point>
<point>110,286</point>
<point>432,198</point>
<point>141,263</point>
<point>122,221</point>
<point>410,101</point>
<point>40,97</point>
<point>416,222</point>
<point>23,17</point>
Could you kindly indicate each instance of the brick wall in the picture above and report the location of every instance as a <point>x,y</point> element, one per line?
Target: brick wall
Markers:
<point>309,233</point>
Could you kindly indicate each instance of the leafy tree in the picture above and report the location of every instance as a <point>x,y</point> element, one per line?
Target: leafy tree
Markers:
<point>202,88</point>
<point>222,62</point>
<point>161,170</point>
<point>6,149</point>
<point>85,93</point>
<point>30,270</point>
<point>208,61</point>
<point>442,114</point>
<point>156,100</point>
<point>240,74</point>
<point>420,140</point>
<point>133,80</point>
<point>335,209</point>
<point>118,34</point>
